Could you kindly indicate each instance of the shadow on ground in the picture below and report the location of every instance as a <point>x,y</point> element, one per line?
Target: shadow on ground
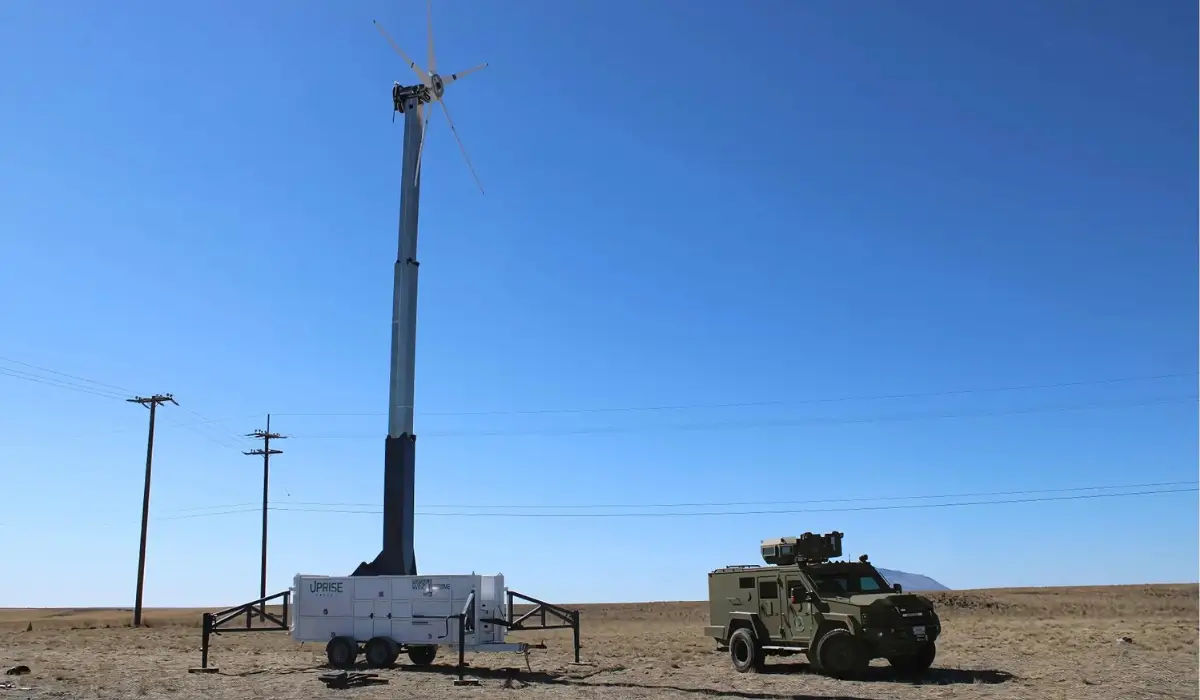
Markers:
<point>884,674</point>
<point>519,678</point>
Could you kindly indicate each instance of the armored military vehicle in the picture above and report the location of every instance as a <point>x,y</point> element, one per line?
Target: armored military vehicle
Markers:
<point>840,614</point>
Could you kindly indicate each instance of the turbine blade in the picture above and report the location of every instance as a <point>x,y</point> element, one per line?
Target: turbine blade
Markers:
<point>423,75</point>
<point>429,31</point>
<point>447,79</point>
<point>426,109</point>
<point>454,131</point>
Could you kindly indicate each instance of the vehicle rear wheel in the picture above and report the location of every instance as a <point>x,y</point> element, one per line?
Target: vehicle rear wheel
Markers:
<point>841,655</point>
<point>422,655</point>
<point>744,651</point>
<point>341,652</point>
<point>917,662</point>
<point>381,652</point>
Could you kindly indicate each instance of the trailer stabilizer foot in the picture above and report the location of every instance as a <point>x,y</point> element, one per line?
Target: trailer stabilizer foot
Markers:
<point>210,669</point>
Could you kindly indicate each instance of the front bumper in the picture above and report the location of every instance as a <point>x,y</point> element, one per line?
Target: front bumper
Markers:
<point>889,641</point>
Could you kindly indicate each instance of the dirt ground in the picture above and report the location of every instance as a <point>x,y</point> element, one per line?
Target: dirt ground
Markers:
<point>1015,643</point>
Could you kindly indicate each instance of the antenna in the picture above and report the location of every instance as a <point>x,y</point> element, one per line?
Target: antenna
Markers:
<point>415,102</point>
<point>435,87</point>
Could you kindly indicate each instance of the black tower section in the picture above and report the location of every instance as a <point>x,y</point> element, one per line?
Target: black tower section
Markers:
<point>399,459</point>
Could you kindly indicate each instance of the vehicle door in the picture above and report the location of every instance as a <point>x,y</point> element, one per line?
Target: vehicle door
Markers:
<point>799,623</point>
<point>770,606</point>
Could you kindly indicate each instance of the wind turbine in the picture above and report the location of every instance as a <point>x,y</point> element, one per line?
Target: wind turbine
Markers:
<point>435,85</point>
<point>398,558</point>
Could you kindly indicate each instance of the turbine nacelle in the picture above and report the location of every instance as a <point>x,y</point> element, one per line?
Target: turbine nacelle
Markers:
<point>435,89</point>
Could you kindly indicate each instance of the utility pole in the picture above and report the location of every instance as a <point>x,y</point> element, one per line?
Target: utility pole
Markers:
<point>266,451</point>
<point>152,403</point>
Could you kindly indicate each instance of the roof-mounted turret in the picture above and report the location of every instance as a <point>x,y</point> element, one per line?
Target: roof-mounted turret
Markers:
<point>783,551</point>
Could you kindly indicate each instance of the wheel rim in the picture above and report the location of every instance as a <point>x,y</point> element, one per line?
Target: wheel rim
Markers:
<point>840,656</point>
<point>341,653</point>
<point>377,654</point>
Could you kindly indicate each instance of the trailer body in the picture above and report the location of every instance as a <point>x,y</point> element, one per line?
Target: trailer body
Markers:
<point>412,611</point>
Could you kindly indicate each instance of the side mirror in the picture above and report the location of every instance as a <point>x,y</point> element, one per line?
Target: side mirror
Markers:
<point>897,588</point>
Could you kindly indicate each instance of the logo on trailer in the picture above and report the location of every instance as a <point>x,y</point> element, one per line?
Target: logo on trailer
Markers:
<point>325,588</point>
<point>425,585</point>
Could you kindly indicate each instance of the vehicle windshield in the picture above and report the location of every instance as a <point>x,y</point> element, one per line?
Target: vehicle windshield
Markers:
<point>848,582</point>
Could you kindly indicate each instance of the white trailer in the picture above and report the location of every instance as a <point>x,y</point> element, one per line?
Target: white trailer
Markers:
<point>383,616</point>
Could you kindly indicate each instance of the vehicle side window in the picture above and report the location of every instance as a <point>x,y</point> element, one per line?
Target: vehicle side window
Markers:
<point>832,586</point>
<point>868,584</point>
<point>746,582</point>
<point>768,590</point>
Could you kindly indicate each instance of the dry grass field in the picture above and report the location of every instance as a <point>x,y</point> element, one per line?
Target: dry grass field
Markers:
<point>1014,643</point>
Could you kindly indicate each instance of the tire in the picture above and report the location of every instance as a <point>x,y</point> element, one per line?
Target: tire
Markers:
<point>916,663</point>
<point>380,652</point>
<point>814,661</point>
<point>394,655</point>
<point>341,652</point>
<point>744,651</point>
<point>841,655</point>
<point>422,655</point>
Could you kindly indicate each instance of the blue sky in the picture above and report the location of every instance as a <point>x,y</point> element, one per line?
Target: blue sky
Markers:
<point>686,204</point>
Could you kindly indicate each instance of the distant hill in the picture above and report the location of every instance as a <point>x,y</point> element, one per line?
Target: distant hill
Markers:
<point>912,582</point>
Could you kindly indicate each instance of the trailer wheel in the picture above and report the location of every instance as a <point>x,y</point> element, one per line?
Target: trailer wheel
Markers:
<point>381,652</point>
<point>395,654</point>
<point>341,652</point>
<point>422,655</point>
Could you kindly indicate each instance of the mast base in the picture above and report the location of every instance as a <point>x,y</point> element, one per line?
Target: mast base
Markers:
<point>397,558</point>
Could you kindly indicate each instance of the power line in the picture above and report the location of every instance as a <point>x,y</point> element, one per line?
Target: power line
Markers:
<point>207,424</point>
<point>175,423</point>
<point>211,437</point>
<point>709,504</point>
<point>121,390</point>
<point>251,508</point>
<point>47,381</point>
<point>912,506</point>
<point>778,402</point>
<point>778,423</point>
<point>106,390</point>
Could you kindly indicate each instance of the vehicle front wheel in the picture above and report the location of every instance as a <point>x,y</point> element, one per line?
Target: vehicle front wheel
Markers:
<point>841,655</point>
<point>744,651</point>
<point>915,663</point>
